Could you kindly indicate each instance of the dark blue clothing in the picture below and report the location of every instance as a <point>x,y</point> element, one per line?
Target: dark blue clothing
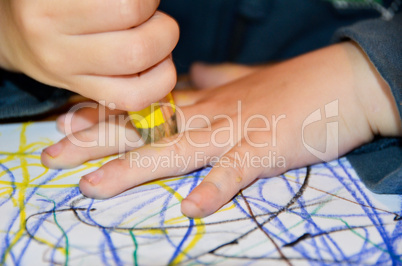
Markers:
<point>23,97</point>
<point>257,31</point>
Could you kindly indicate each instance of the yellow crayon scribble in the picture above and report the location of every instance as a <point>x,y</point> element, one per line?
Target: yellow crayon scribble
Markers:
<point>22,186</point>
<point>198,224</point>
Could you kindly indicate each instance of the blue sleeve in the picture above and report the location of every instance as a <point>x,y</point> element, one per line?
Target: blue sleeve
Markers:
<point>379,164</point>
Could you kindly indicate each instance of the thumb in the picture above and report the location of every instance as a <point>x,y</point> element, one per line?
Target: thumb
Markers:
<point>207,76</point>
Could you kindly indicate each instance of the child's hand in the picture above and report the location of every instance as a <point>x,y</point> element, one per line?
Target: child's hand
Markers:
<point>312,108</point>
<point>117,51</point>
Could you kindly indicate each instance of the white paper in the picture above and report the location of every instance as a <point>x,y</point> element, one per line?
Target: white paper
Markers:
<point>328,217</point>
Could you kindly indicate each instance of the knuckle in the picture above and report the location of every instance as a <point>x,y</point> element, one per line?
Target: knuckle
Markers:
<point>176,30</point>
<point>178,147</point>
<point>85,135</point>
<point>22,14</point>
<point>33,27</point>
<point>136,58</point>
<point>132,101</point>
<point>136,12</point>
<point>233,165</point>
<point>170,77</point>
<point>171,27</point>
<point>52,62</point>
<point>129,11</point>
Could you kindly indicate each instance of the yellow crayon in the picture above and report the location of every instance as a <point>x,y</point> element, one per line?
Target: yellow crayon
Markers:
<point>156,121</point>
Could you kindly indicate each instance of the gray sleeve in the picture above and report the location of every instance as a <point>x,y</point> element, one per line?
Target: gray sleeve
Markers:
<point>381,40</point>
<point>379,164</point>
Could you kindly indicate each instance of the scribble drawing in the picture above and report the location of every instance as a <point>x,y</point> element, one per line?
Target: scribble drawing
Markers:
<point>319,215</point>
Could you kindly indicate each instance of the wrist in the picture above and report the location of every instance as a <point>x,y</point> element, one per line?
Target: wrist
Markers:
<point>373,94</point>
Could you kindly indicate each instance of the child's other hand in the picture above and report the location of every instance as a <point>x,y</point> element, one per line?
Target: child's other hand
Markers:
<point>112,50</point>
<point>271,120</point>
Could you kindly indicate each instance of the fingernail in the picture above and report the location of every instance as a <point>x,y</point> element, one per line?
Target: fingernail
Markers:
<point>94,178</point>
<point>194,198</point>
<point>54,150</point>
<point>189,208</point>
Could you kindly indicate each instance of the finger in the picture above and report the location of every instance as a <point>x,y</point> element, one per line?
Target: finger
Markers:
<point>128,51</point>
<point>210,107</point>
<point>235,170</point>
<point>129,93</point>
<point>187,97</point>
<point>189,114</point>
<point>91,16</point>
<point>149,162</point>
<point>98,141</point>
<point>208,76</point>
<point>84,115</point>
